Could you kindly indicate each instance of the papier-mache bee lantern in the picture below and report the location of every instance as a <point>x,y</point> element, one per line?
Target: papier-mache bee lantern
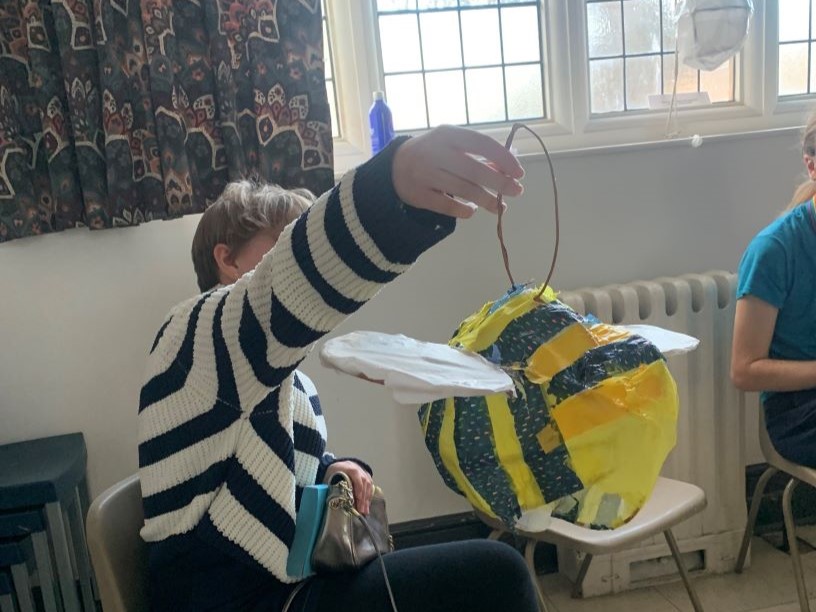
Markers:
<point>592,422</point>
<point>578,429</point>
<point>585,437</point>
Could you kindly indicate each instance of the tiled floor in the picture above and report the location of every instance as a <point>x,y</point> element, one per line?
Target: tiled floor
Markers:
<point>767,586</point>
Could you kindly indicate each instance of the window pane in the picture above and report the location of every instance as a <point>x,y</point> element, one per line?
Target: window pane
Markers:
<point>333,109</point>
<point>719,83</point>
<point>328,66</point>
<point>606,80</point>
<point>462,59</point>
<point>446,97</point>
<point>812,18</point>
<point>793,69</point>
<point>524,95</point>
<point>399,41</point>
<point>480,36</point>
<point>520,34</point>
<point>485,94</point>
<point>435,4</point>
<point>669,26</point>
<point>642,80</point>
<point>642,34</point>
<point>794,17</point>
<point>688,76</point>
<point>440,40</point>
<point>812,68</point>
<point>605,29</point>
<point>642,19</point>
<point>395,5</point>
<point>796,34</point>
<point>327,51</point>
<point>406,98</point>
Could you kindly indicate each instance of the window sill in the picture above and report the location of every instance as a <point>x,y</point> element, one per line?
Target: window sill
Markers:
<point>631,132</point>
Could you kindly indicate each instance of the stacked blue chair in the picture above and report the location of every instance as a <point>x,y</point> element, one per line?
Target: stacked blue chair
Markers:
<point>30,523</point>
<point>12,559</point>
<point>6,599</point>
<point>43,496</point>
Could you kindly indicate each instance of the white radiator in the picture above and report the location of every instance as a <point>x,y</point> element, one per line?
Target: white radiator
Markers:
<point>710,449</point>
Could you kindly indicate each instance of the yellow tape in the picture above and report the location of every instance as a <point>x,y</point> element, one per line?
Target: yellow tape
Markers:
<point>559,353</point>
<point>627,422</point>
<point>509,453</point>
<point>481,330</point>
<point>549,439</point>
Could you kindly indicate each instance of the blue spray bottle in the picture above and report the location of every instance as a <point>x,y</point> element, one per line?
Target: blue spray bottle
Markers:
<point>382,125</point>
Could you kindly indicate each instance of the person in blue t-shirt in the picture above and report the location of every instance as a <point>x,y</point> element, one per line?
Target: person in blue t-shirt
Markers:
<point>774,348</point>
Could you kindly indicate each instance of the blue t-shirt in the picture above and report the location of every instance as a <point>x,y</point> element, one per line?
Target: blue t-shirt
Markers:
<point>779,267</point>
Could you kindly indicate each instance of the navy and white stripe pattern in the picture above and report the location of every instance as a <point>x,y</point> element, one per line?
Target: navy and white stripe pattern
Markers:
<point>229,431</point>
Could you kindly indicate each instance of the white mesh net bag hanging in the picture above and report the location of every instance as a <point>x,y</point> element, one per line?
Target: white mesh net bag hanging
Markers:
<point>710,32</point>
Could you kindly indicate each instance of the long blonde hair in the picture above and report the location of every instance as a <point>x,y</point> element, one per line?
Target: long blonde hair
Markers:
<point>806,190</point>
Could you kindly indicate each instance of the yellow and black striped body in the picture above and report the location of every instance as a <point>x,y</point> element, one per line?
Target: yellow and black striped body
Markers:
<point>592,422</point>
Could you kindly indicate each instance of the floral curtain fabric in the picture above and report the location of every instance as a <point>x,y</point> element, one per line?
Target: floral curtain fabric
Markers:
<point>115,112</point>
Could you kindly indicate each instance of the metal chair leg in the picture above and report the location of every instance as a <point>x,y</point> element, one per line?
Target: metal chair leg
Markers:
<point>681,567</point>
<point>42,556</point>
<point>790,526</point>
<point>62,555</point>
<point>578,587</point>
<point>529,557</point>
<point>83,562</point>
<point>82,488</point>
<point>759,490</point>
<point>19,577</point>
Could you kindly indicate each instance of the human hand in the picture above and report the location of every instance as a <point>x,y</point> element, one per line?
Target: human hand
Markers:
<point>437,171</point>
<point>361,481</point>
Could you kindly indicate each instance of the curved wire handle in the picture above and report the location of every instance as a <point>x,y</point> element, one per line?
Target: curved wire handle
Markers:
<point>500,230</point>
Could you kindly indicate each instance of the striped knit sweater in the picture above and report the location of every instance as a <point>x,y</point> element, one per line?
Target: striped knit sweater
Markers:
<point>229,431</point>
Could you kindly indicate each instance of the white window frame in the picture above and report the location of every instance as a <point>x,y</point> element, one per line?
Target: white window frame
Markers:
<point>570,126</point>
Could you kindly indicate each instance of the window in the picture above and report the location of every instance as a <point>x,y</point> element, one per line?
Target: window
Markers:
<point>329,63</point>
<point>580,72</point>
<point>796,40</point>
<point>631,46</point>
<point>462,62</point>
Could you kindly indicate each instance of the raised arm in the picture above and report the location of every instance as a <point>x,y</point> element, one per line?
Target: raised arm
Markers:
<point>357,237</point>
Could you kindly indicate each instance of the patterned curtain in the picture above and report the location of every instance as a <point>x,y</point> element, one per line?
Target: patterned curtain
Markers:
<point>115,112</point>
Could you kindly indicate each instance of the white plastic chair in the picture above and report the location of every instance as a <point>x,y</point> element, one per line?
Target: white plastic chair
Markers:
<point>672,502</point>
<point>118,553</point>
<point>798,473</point>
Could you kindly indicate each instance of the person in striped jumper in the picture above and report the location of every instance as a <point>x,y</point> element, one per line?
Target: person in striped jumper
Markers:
<point>230,431</point>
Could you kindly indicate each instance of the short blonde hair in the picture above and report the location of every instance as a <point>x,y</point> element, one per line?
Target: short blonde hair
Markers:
<point>243,209</point>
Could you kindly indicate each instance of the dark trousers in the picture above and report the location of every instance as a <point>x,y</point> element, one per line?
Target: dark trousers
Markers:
<point>791,422</point>
<point>472,576</point>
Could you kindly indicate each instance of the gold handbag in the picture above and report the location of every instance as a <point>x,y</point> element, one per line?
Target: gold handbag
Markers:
<point>347,540</point>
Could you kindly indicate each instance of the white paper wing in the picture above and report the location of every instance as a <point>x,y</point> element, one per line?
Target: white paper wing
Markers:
<point>418,372</point>
<point>668,342</point>
<point>415,372</point>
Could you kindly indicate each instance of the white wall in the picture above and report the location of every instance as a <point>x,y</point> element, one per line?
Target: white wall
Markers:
<point>78,310</point>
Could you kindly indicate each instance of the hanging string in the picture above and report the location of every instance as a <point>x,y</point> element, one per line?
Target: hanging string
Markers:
<point>500,230</point>
<point>672,127</point>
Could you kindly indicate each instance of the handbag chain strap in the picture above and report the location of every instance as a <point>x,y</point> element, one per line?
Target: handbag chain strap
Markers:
<point>379,556</point>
